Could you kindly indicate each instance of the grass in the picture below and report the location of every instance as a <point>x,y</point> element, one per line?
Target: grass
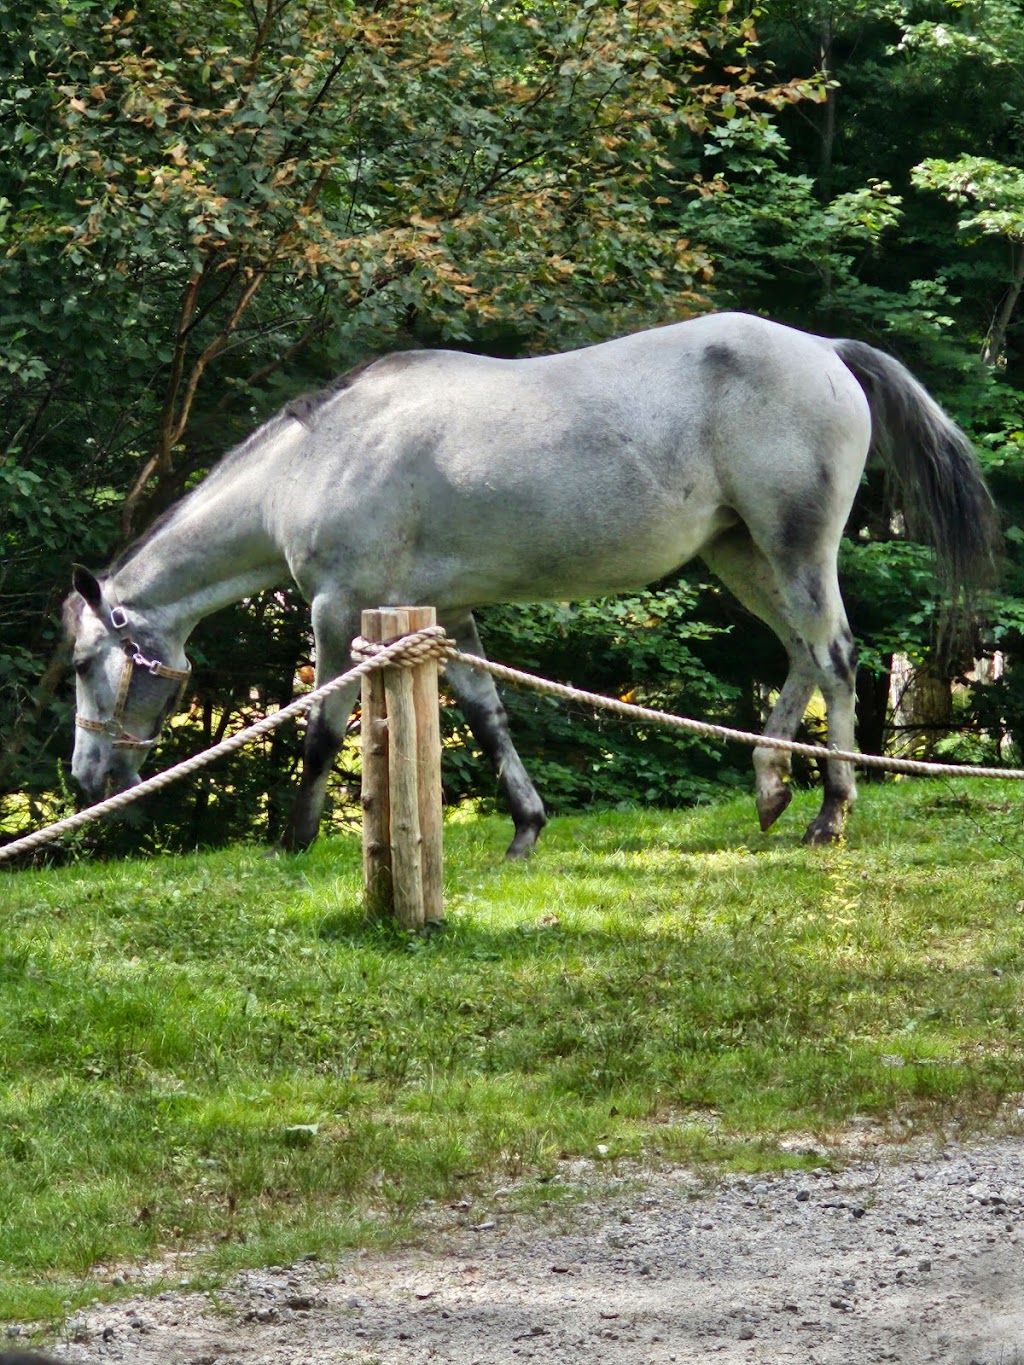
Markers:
<point>218,1053</point>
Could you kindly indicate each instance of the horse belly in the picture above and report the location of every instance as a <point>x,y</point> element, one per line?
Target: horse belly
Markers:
<point>533,554</point>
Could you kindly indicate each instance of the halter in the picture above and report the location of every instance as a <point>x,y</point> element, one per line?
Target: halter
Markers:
<point>133,659</point>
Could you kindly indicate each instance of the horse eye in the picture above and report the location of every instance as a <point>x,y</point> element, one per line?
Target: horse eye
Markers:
<point>82,667</point>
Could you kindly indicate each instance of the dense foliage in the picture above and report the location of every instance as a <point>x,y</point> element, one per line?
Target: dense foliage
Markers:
<point>205,209</point>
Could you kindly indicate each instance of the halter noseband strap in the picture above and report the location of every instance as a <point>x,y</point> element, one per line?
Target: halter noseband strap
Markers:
<point>133,659</point>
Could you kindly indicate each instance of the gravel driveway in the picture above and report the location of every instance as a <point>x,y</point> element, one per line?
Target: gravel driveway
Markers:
<point>917,1259</point>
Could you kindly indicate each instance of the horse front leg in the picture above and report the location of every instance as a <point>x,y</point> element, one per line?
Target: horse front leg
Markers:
<point>326,727</point>
<point>324,734</point>
<point>480,704</point>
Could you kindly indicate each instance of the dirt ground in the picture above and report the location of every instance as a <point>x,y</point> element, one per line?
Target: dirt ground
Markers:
<point>913,1258</point>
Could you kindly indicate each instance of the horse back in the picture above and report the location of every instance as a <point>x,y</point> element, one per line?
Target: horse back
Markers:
<point>587,471</point>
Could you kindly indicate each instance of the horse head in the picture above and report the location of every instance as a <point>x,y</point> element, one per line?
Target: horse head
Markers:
<point>124,688</point>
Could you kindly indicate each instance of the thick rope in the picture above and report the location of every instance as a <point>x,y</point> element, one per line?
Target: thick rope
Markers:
<point>918,767</point>
<point>431,642</point>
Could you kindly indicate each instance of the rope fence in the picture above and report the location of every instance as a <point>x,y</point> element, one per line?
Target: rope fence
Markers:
<point>915,767</point>
<point>431,643</point>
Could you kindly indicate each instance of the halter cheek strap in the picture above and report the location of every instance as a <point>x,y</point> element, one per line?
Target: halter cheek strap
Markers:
<point>133,659</point>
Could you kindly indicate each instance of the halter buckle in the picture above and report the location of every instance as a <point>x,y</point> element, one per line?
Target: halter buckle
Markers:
<point>118,618</point>
<point>150,665</point>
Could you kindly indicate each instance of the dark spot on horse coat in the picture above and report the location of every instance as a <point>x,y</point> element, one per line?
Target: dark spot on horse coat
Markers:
<point>721,363</point>
<point>844,659</point>
<point>814,591</point>
<point>797,531</point>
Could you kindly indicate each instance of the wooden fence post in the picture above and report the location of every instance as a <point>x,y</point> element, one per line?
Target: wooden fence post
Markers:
<point>376,813</point>
<point>428,767</point>
<point>403,864</point>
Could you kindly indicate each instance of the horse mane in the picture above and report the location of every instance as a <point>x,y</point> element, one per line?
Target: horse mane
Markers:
<point>306,406</point>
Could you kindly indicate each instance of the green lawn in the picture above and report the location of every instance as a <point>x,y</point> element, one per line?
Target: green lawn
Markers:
<point>218,1051</point>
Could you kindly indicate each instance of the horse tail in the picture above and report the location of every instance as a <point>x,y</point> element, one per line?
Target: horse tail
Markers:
<point>935,472</point>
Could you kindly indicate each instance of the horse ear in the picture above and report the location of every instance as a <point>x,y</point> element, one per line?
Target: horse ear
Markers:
<point>87,585</point>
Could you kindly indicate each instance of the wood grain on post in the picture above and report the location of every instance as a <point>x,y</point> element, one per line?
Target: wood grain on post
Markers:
<point>403,782</point>
<point>428,763</point>
<point>377,875</point>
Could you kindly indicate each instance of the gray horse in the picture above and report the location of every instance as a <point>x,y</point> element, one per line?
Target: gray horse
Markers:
<point>455,480</point>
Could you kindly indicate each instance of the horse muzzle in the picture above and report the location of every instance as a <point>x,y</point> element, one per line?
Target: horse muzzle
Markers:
<point>99,778</point>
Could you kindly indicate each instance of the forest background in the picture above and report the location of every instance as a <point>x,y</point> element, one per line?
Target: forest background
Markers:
<point>207,209</point>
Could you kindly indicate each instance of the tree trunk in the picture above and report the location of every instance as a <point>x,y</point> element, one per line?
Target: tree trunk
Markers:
<point>926,712</point>
<point>873,714</point>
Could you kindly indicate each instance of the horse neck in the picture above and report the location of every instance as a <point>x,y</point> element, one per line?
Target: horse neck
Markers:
<point>213,548</point>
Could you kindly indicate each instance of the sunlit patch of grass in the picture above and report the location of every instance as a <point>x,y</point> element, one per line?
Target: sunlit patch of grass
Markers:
<point>218,1052</point>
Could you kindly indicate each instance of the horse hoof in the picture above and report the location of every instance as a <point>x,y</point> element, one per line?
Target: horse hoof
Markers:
<point>521,846</point>
<point>770,807</point>
<point>820,836</point>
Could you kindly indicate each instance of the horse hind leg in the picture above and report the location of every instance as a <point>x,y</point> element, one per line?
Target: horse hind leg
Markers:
<point>745,571</point>
<point>480,704</point>
<point>838,671</point>
<point>772,766</point>
<point>814,610</point>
